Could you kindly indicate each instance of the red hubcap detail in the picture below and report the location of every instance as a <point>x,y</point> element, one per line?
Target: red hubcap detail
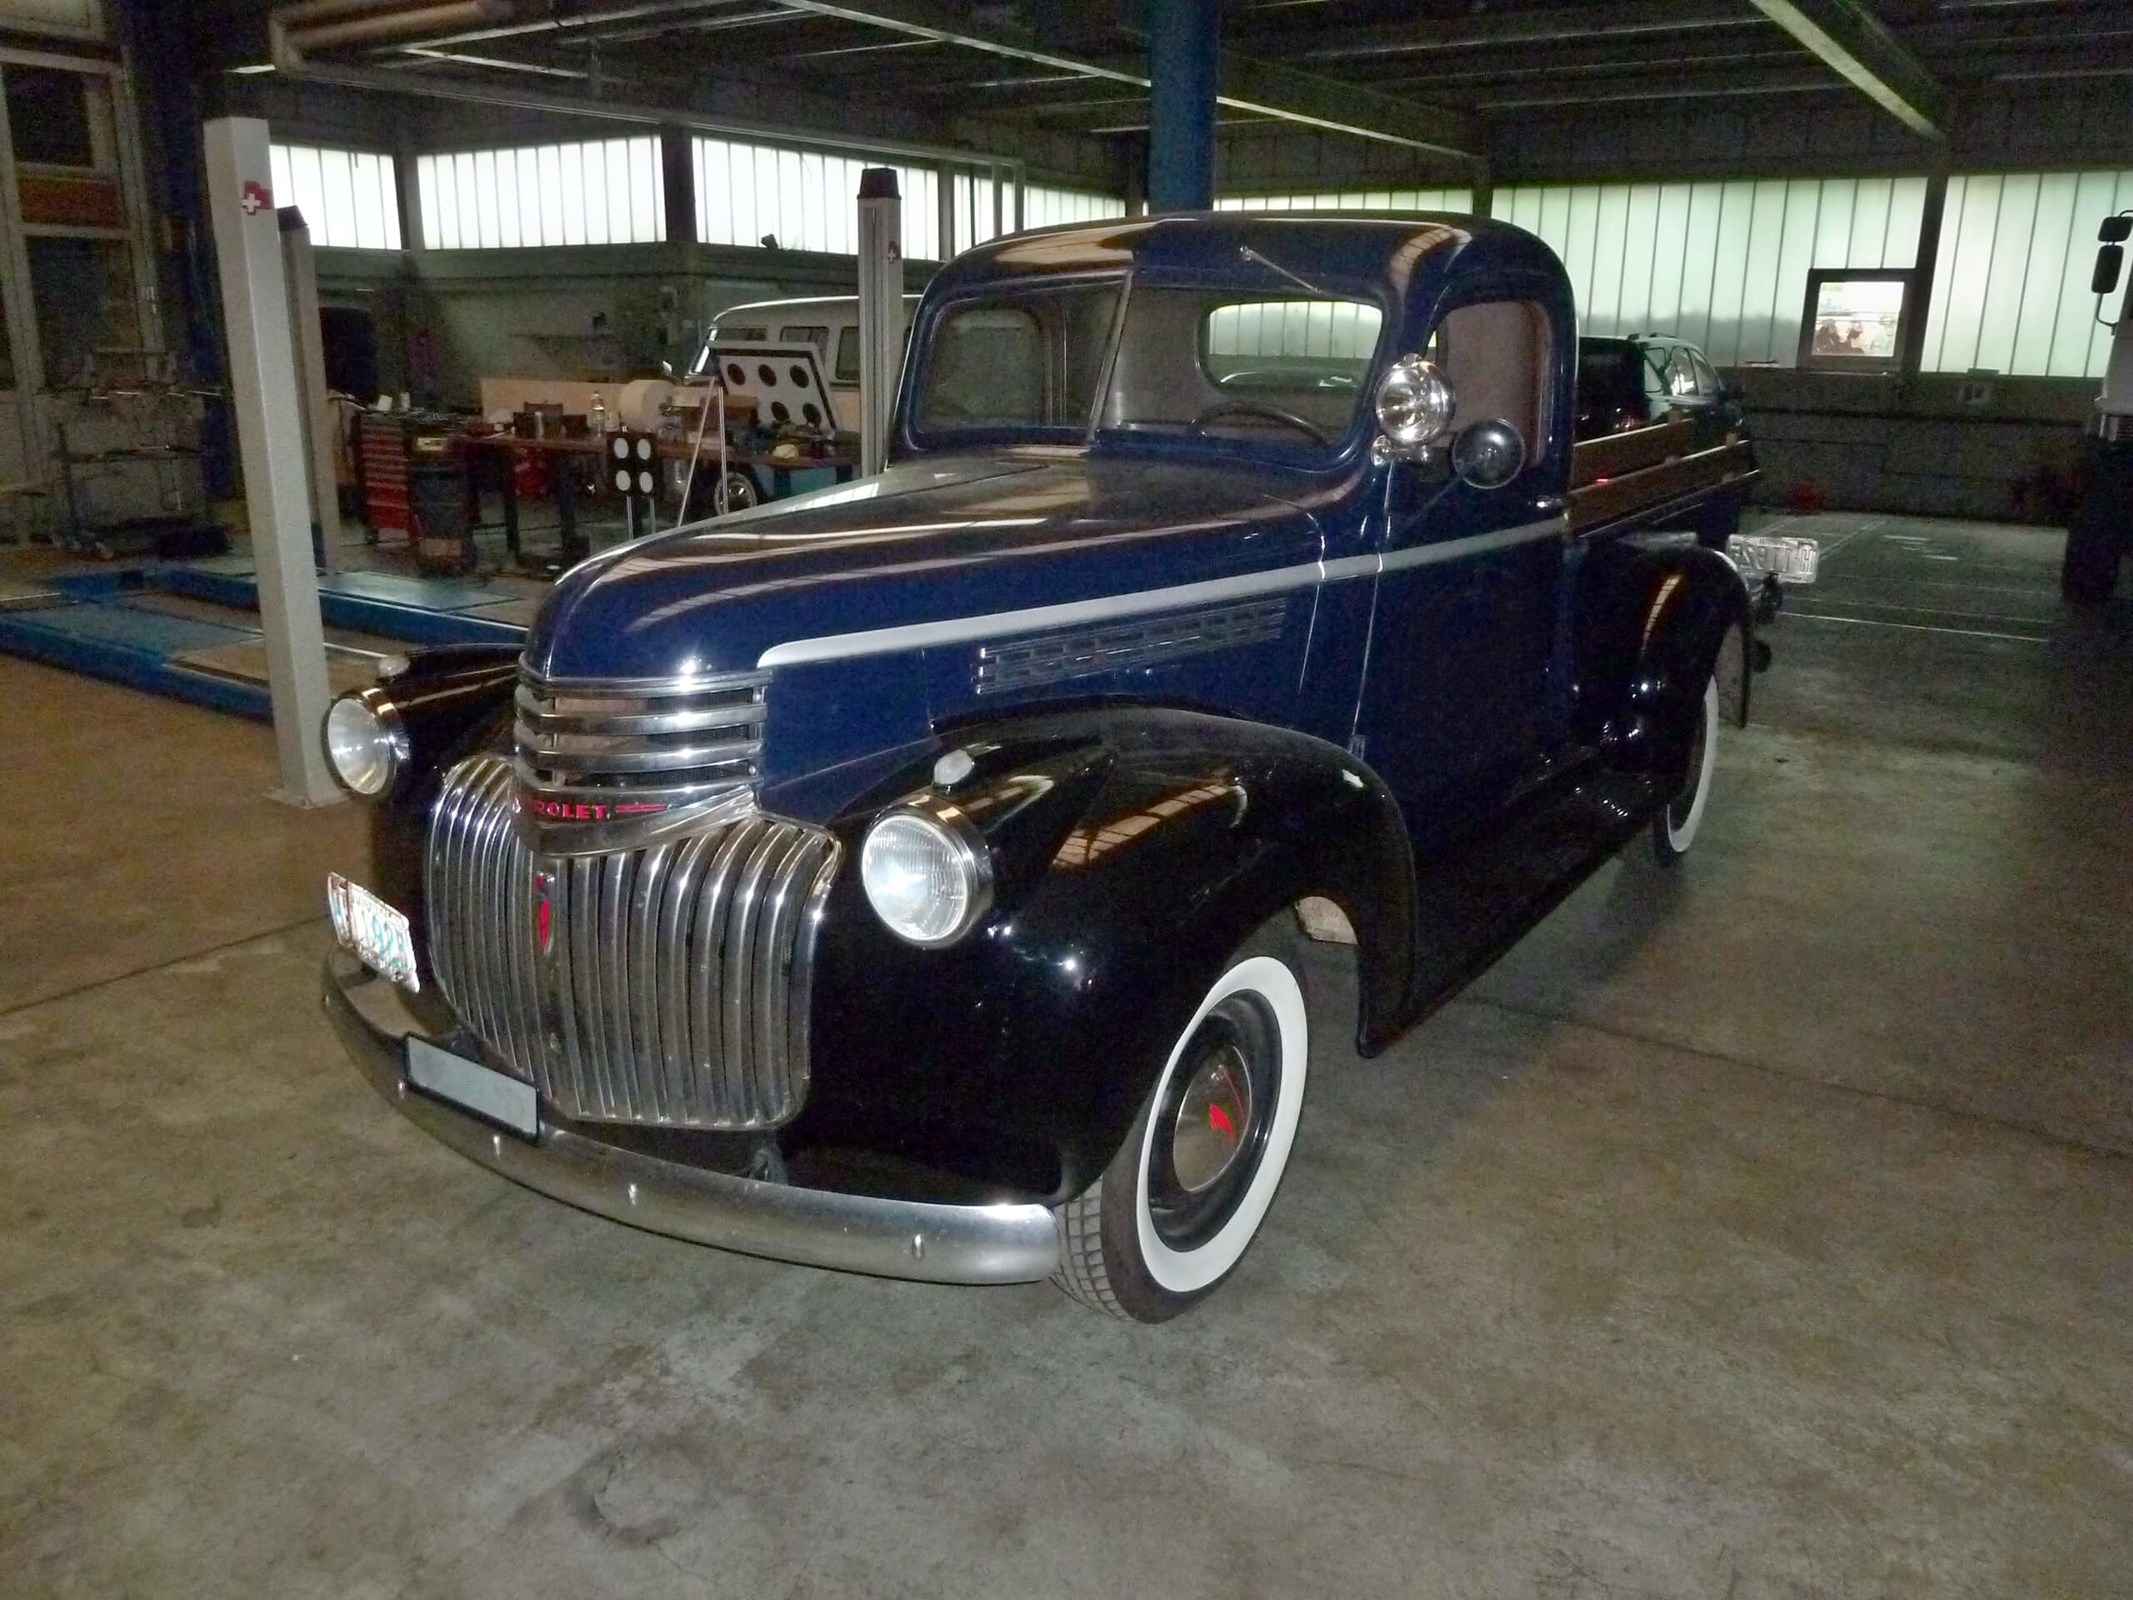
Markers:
<point>1213,1117</point>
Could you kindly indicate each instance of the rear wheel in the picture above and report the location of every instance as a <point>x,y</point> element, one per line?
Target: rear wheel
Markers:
<point>735,492</point>
<point>1174,1212</point>
<point>2089,570</point>
<point>1674,829</point>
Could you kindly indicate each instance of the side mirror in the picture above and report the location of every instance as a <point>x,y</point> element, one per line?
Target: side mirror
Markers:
<point>2109,261</point>
<point>1488,454</point>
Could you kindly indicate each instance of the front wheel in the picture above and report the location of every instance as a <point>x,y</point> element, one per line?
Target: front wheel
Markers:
<point>1674,829</point>
<point>2088,572</point>
<point>1173,1213</point>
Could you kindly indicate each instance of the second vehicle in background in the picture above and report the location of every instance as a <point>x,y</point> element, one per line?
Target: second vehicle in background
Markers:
<point>1639,379</point>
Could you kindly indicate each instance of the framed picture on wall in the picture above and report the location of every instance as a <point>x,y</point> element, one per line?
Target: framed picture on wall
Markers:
<point>1854,319</point>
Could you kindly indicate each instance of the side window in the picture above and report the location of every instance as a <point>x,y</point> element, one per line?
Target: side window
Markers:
<point>847,356</point>
<point>1498,356</point>
<point>1658,391</point>
<point>1681,380</point>
<point>814,334</point>
<point>1029,362</point>
<point>988,366</point>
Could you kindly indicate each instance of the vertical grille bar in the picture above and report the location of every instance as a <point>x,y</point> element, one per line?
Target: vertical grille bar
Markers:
<point>675,982</point>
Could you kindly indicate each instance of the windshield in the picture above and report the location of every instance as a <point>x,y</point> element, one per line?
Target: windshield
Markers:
<point>1219,363</point>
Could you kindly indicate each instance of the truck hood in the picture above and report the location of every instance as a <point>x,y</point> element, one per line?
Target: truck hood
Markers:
<point>944,539</point>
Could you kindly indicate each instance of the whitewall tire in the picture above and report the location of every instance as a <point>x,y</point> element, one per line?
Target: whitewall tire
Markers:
<point>1190,1186</point>
<point>1674,829</point>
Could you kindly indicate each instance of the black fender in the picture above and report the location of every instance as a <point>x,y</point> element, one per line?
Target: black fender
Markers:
<point>450,702</point>
<point>1134,850</point>
<point>1651,624</point>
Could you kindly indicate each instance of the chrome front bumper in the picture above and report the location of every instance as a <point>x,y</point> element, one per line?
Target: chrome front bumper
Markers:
<point>816,1227</point>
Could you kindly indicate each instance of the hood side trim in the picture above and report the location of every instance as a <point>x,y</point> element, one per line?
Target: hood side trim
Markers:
<point>1038,619</point>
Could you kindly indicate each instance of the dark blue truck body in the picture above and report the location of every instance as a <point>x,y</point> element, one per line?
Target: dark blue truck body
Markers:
<point>1173,675</point>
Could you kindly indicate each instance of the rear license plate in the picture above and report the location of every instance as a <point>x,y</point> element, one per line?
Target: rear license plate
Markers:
<point>1793,560</point>
<point>377,933</point>
<point>473,1087</point>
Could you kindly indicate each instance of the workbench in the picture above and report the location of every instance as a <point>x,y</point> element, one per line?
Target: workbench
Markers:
<point>565,456</point>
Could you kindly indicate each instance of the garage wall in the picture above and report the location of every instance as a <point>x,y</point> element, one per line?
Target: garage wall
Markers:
<point>1994,448</point>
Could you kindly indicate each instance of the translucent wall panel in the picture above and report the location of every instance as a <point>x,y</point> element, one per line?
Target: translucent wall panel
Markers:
<point>601,191</point>
<point>808,199</point>
<point>1295,328</point>
<point>1043,206</point>
<point>1723,265</point>
<point>980,211</point>
<point>2011,286</point>
<point>1352,200</point>
<point>350,198</point>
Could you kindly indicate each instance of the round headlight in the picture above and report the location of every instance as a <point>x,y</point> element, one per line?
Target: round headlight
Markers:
<point>1415,402</point>
<point>364,743</point>
<point>927,875</point>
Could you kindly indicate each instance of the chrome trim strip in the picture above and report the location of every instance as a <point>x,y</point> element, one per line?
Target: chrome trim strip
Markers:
<point>929,1242</point>
<point>1037,619</point>
<point>1475,544</point>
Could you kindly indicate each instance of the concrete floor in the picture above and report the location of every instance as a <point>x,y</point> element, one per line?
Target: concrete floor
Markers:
<point>1761,1230</point>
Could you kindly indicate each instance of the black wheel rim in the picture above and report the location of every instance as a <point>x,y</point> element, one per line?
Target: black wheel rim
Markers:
<point>1210,1128</point>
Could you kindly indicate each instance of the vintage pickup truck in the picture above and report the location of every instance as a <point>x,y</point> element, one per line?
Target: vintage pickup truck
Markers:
<point>910,878</point>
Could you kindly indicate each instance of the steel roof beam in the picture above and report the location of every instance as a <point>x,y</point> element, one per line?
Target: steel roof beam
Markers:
<point>1852,42</point>
<point>1491,30</point>
<point>1248,85</point>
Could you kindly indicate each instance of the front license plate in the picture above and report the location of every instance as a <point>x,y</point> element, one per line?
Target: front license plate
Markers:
<point>473,1087</point>
<point>377,933</point>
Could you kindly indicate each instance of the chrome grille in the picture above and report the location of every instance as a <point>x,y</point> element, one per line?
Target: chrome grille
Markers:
<point>607,763</point>
<point>666,985</point>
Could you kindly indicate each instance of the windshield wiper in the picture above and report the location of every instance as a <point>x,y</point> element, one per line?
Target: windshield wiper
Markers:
<point>1249,254</point>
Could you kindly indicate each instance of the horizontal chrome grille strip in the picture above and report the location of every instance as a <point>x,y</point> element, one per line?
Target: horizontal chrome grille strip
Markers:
<point>667,985</point>
<point>1143,642</point>
<point>606,765</point>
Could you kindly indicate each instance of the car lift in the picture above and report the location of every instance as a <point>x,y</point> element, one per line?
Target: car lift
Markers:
<point>156,626</point>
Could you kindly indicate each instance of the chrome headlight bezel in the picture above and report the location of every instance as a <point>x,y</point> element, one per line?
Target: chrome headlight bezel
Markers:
<point>961,846</point>
<point>385,737</point>
<point>1414,403</point>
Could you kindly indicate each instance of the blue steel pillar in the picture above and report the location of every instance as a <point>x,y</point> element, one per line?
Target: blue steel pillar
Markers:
<point>1183,42</point>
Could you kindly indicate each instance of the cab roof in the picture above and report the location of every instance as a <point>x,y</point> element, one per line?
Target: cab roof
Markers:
<point>1343,249</point>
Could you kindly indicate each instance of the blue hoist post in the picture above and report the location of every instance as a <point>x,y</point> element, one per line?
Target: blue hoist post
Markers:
<point>1184,46</point>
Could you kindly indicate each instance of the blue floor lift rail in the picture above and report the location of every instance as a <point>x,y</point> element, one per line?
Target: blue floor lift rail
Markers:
<point>119,624</point>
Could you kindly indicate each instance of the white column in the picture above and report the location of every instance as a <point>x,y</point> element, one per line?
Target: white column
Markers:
<point>270,440</point>
<point>881,311</point>
<point>302,273</point>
